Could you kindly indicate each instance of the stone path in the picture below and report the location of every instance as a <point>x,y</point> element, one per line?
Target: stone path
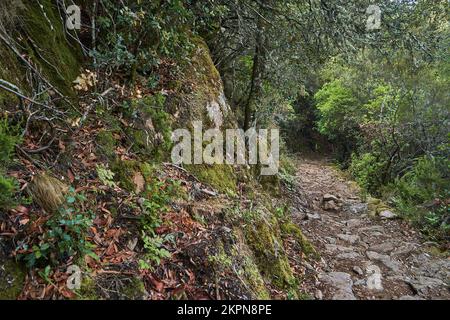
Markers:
<point>362,257</point>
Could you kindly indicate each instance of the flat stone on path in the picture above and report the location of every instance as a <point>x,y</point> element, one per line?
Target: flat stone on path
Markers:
<point>384,247</point>
<point>385,259</point>
<point>387,214</point>
<point>348,238</point>
<point>341,282</point>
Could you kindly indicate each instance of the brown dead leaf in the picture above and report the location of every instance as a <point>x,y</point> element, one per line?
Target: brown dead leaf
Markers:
<point>139,182</point>
<point>70,175</point>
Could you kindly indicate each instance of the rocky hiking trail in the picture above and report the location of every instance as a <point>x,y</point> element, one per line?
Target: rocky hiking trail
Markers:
<point>361,256</point>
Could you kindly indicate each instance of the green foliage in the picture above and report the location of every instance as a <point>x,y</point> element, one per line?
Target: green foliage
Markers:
<point>9,138</point>
<point>8,187</point>
<point>64,235</point>
<point>392,121</point>
<point>106,176</point>
<point>337,107</point>
<point>422,195</point>
<point>154,251</point>
<point>158,195</point>
<point>367,171</point>
<point>134,37</point>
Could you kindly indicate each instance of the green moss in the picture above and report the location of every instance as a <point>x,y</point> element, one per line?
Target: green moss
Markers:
<point>288,228</point>
<point>376,206</point>
<point>220,260</point>
<point>134,289</point>
<point>12,278</point>
<point>8,188</point>
<point>48,47</point>
<point>88,290</point>
<point>125,171</point>
<point>107,144</point>
<point>263,239</point>
<point>130,288</point>
<point>202,71</point>
<point>271,184</point>
<point>220,177</point>
<point>150,134</point>
<point>254,279</point>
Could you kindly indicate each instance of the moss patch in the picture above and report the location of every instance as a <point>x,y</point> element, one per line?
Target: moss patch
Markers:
<point>150,129</point>
<point>107,144</point>
<point>12,278</point>
<point>220,177</point>
<point>125,171</point>
<point>289,228</point>
<point>263,238</point>
<point>48,46</point>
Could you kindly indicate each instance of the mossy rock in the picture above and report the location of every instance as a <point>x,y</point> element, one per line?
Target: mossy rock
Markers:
<point>220,177</point>
<point>150,129</point>
<point>263,238</point>
<point>125,171</point>
<point>12,278</point>
<point>48,46</point>
<point>376,206</point>
<point>249,269</point>
<point>289,228</point>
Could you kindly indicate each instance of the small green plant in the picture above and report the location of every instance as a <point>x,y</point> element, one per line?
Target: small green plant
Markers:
<point>64,235</point>
<point>158,198</point>
<point>106,176</point>
<point>221,261</point>
<point>9,137</point>
<point>154,251</point>
<point>8,187</point>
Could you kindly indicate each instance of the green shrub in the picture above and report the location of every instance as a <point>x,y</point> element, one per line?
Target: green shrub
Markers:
<point>134,38</point>
<point>367,171</point>
<point>422,195</point>
<point>64,235</point>
<point>9,137</point>
<point>8,187</point>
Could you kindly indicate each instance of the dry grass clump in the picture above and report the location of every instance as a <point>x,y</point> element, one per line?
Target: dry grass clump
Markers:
<point>48,192</point>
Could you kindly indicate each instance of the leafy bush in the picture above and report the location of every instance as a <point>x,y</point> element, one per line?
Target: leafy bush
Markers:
<point>136,36</point>
<point>422,194</point>
<point>337,106</point>
<point>367,171</point>
<point>64,235</point>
